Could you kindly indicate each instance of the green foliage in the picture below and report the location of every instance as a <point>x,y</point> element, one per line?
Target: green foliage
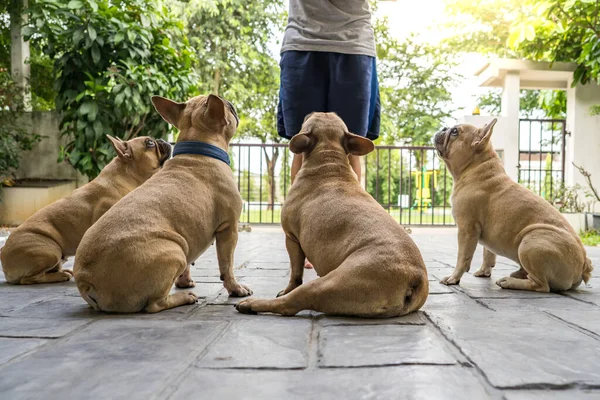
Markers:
<point>414,83</point>
<point>559,30</point>
<point>547,192</point>
<point>231,39</point>
<point>482,26</point>
<point>13,139</point>
<point>590,238</point>
<point>533,103</point>
<point>110,57</point>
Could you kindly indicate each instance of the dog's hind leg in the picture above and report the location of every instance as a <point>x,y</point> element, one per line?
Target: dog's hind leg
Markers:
<point>171,301</point>
<point>489,261</point>
<point>341,292</point>
<point>522,284</point>
<point>296,264</point>
<point>53,271</point>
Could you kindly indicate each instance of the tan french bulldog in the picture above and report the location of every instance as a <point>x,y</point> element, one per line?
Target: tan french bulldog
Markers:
<point>367,263</point>
<point>36,250</point>
<point>129,260</point>
<point>506,218</point>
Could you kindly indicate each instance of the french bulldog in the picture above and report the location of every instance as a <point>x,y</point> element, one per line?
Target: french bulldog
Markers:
<point>128,261</point>
<point>36,250</point>
<point>506,218</point>
<point>367,263</point>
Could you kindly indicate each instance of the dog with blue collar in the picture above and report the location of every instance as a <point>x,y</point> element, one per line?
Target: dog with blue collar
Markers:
<point>131,258</point>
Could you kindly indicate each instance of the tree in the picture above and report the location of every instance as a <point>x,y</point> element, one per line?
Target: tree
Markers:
<point>110,56</point>
<point>231,39</point>
<point>415,80</point>
<point>485,26</point>
<point>13,138</point>
<point>559,30</point>
<point>482,26</point>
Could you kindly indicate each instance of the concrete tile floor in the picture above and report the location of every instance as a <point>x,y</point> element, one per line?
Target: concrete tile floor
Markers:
<point>474,341</point>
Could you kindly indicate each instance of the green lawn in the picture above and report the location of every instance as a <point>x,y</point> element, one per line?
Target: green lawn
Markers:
<point>590,238</point>
<point>408,217</point>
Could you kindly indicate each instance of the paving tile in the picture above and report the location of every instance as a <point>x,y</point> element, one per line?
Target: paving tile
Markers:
<point>554,394</point>
<point>589,293</point>
<point>11,348</point>
<point>261,287</point>
<point>254,343</point>
<point>415,318</point>
<point>116,359</point>
<point>436,287</point>
<point>38,328</point>
<point>13,297</point>
<point>588,320</point>
<point>57,307</point>
<point>520,347</point>
<point>378,345</point>
<point>404,382</point>
<point>486,288</point>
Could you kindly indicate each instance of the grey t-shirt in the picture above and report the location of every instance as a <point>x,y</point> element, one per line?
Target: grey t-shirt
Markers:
<point>339,26</point>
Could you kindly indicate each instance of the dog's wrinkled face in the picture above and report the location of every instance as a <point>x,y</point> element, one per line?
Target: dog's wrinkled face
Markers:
<point>327,131</point>
<point>201,115</point>
<point>144,154</point>
<point>457,145</point>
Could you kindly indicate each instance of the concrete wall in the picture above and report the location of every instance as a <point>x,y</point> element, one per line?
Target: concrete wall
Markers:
<point>41,161</point>
<point>583,146</point>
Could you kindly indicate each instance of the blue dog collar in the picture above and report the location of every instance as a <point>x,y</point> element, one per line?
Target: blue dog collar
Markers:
<point>201,148</point>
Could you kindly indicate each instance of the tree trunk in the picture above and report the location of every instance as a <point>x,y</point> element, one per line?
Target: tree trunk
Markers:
<point>271,163</point>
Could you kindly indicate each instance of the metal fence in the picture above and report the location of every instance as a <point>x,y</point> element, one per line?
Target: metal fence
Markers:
<point>411,183</point>
<point>541,156</point>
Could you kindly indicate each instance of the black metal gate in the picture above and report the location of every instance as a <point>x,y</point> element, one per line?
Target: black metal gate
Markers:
<point>409,182</point>
<point>542,156</point>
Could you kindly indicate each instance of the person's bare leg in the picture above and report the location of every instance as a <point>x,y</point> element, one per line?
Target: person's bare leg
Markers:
<point>296,164</point>
<point>355,164</point>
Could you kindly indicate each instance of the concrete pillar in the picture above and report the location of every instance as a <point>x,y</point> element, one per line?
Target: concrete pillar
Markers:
<point>510,113</point>
<point>583,146</point>
<point>19,49</point>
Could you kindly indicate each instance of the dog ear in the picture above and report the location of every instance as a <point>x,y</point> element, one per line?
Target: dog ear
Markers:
<point>301,143</point>
<point>215,109</point>
<point>357,145</point>
<point>122,148</point>
<point>168,109</point>
<point>484,134</point>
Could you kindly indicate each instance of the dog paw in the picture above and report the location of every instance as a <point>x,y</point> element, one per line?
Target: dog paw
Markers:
<point>503,282</point>
<point>450,280</point>
<point>281,293</point>
<point>483,273</point>
<point>191,297</point>
<point>245,307</point>
<point>239,290</point>
<point>68,272</point>
<point>184,283</point>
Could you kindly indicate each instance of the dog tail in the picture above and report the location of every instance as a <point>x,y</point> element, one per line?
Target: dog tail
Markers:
<point>88,293</point>
<point>587,270</point>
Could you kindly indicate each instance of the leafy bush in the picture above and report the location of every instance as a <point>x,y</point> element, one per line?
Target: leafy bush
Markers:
<point>110,57</point>
<point>13,139</point>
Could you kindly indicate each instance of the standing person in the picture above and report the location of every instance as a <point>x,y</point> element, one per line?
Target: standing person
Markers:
<point>328,65</point>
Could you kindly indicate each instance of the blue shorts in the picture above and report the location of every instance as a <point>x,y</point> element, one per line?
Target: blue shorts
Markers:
<point>313,81</point>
